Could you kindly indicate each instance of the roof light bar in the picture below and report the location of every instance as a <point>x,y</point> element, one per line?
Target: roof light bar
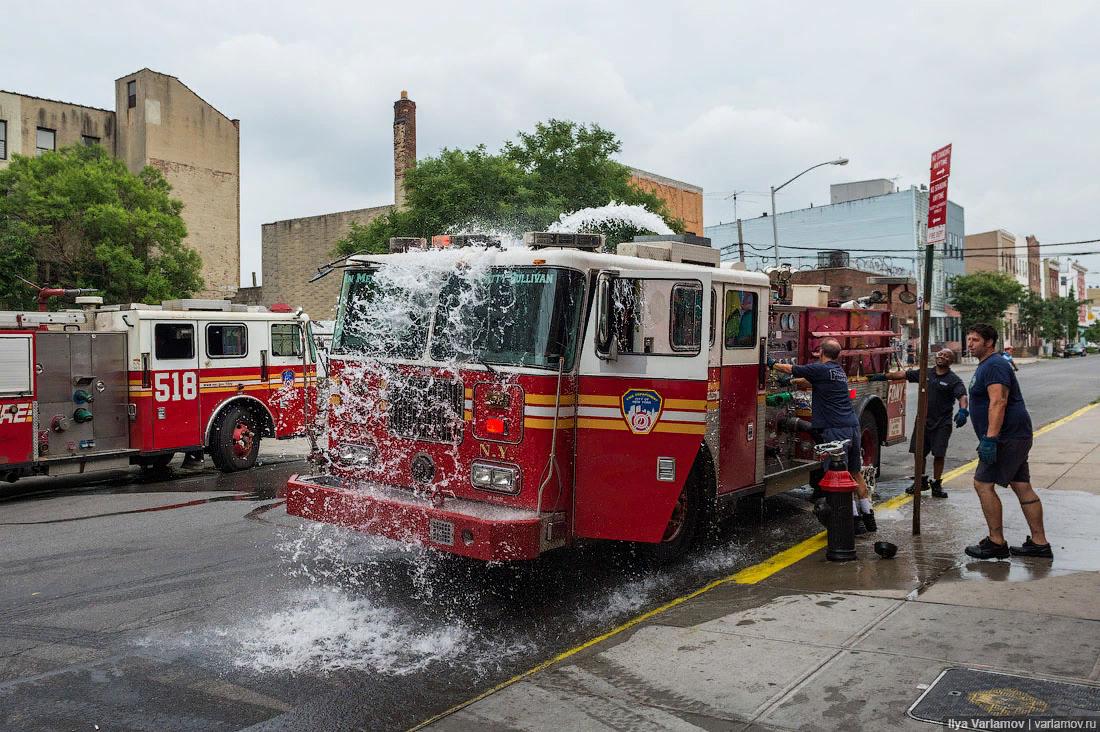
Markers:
<point>540,239</point>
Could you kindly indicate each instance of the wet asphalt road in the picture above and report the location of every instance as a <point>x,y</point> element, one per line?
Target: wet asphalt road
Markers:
<point>196,603</point>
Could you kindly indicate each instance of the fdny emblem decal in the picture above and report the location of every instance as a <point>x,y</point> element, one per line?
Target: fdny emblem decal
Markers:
<point>641,409</point>
<point>288,377</point>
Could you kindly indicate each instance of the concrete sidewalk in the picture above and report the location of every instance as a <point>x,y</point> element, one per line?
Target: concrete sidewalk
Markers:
<point>818,645</point>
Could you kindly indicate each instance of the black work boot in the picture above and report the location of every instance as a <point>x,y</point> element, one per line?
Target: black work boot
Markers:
<point>988,549</point>
<point>913,488</point>
<point>937,489</point>
<point>869,521</point>
<point>857,526</point>
<point>1030,549</point>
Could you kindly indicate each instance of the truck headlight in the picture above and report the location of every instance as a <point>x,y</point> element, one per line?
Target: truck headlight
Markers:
<point>357,456</point>
<point>496,478</point>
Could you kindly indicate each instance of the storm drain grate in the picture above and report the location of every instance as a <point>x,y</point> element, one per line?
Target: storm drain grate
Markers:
<point>967,698</point>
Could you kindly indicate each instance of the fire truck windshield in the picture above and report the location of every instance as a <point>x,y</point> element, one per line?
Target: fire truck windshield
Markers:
<point>519,316</point>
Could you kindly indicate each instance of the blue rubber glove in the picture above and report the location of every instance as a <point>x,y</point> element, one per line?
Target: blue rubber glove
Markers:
<point>987,450</point>
<point>784,379</point>
<point>771,362</point>
<point>877,377</point>
<point>960,417</point>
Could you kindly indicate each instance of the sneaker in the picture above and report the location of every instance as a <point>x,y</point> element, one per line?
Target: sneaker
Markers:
<point>937,489</point>
<point>988,549</point>
<point>1031,549</point>
<point>869,521</point>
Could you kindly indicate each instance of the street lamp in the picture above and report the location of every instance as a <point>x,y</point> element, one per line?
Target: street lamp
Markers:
<point>775,231</point>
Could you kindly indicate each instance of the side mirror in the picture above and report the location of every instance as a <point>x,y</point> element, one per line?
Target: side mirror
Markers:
<point>606,347</point>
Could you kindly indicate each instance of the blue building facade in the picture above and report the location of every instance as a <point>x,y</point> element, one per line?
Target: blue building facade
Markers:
<point>884,233</point>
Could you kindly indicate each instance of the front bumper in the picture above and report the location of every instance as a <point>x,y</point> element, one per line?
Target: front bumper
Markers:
<point>460,526</point>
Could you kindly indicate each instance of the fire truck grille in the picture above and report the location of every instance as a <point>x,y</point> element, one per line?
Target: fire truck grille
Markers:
<point>424,408</point>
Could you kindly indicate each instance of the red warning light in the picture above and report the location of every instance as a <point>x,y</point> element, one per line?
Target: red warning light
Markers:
<point>496,426</point>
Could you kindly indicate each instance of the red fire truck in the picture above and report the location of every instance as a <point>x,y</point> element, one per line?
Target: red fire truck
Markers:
<point>509,402</point>
<point>110,386</point>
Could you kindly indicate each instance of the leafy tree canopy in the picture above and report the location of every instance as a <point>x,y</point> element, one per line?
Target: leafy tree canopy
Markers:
<point>558,168</point>
<point>983,297</point>
<point>1054,319</point>
<point>76,217</point>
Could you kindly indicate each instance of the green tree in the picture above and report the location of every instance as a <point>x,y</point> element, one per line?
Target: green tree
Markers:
<point>559,168</point>
<point>78,218</point>
<point>983,297</point>
<point>1034,312</point>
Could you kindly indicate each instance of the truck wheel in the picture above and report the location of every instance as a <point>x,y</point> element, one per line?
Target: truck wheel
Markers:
<point>683,525</point>
<point>235,440</point>
<point>870,450</point>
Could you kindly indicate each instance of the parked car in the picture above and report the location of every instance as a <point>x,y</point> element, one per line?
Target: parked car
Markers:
<point>1074,349</point>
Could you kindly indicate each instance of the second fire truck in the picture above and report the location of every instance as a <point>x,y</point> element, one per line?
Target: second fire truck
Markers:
<point>110,386</point>
<point>500,404</point>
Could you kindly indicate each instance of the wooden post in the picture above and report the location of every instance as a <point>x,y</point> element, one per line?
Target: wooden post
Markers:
<point>740,241</point>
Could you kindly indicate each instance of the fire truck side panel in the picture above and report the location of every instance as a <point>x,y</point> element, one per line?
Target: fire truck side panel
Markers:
<point>82,393</point>
<point>17,398</point>
<point>286,376</point>
<point>619,494</point>
<point>743,318</point>
<point>174,367</point>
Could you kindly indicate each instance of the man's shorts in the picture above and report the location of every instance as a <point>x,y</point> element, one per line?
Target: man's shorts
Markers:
<point>852,451</point>
<point>935,440</point>
<point>1011,465</point>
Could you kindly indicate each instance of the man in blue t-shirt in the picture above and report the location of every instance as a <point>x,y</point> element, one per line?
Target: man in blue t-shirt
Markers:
<point>834,416</point>
<point>1003,425</point>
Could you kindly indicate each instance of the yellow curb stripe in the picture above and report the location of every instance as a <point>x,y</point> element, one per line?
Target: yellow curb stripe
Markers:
<point>748,576</point>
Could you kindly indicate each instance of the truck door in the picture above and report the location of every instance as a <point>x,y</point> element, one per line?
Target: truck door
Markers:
<point>741,319</point>
<point>286,377</point>
<point>641,409</point>
<point>175,381</point>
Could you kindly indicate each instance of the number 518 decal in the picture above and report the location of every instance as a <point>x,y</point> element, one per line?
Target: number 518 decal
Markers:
<point>175,386</point>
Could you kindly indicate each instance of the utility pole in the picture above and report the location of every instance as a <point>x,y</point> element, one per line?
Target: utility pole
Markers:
<point>740,241</point>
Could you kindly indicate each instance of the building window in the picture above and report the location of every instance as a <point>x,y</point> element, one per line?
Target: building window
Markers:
<point>3,140</point>
<point>131,94</point>
<point>89,140</point>
<point>45,141</point>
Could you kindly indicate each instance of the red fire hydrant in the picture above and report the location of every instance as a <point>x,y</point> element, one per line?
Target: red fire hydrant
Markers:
<point>836,514</point>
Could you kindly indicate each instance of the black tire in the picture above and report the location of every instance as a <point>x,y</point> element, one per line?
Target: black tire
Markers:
<point>683,526</point>
<point>235,439</point>
<point>869,439</point>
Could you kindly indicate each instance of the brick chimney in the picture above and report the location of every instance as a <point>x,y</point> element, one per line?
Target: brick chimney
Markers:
<point>404,145</point>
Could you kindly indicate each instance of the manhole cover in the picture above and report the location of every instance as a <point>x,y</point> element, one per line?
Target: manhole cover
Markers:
<point>966,698</point>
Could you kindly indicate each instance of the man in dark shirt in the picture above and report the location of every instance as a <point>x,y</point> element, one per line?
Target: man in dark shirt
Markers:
<point>1003,425</point>
<point>944,388</point>
<point>834,416</point>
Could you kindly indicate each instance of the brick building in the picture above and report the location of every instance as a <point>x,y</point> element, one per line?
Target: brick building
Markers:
<point>293,249</point>
<point>684,200</point>
<point>157,121</point>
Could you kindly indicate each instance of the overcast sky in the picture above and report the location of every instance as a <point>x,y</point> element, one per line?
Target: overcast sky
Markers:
<point>725,95</point>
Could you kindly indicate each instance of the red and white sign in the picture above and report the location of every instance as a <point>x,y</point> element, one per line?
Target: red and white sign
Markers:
<point>937,195</point>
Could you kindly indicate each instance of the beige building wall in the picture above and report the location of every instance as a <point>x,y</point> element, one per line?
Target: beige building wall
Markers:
<point>293,250</point>
<point>197,148</point>
<point>71,123</point>
<point>684,200</point>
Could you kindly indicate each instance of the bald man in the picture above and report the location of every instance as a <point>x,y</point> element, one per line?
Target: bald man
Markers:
<point>834,416</point>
